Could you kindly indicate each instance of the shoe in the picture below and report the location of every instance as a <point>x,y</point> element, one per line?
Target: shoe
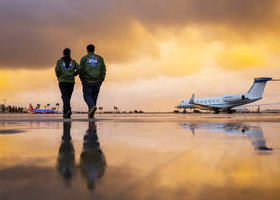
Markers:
<point>264,148</point>
<point>91,112</point>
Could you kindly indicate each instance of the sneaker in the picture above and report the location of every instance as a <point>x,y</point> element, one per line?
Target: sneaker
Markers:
<point>91,112</point>
<point>264,148</point>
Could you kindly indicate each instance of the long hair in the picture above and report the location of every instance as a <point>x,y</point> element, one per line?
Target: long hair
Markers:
<point>66,57</point>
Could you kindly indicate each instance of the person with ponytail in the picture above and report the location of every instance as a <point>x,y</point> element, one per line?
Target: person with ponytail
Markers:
<point>66,69</point>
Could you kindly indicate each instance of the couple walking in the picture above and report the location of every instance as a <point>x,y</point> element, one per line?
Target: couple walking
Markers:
<point>92,72</point>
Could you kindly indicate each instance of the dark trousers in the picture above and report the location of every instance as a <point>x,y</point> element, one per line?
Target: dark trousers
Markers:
<point>90,93</point>
<point>66,90</point>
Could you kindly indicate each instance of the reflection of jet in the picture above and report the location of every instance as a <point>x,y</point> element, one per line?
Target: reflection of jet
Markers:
<point>228,128</point>
<point>227,102</point>
<point>254,133</point>
<point>41,111</point>
<point>66,154</point>
<point>92,160</point>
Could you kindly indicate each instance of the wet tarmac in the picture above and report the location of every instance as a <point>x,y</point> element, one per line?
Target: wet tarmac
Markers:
<point>127,157</point>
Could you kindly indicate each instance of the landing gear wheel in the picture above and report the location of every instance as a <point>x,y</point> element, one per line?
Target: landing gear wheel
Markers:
<point>216,111</point>
<point>230,111</point>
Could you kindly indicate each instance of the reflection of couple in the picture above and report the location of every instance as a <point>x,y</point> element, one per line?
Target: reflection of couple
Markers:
<point>92,72</point>
<point>92,159</point>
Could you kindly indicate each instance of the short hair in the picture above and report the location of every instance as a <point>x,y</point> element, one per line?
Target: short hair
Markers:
<point>90,48</point>
<point>66,52</point>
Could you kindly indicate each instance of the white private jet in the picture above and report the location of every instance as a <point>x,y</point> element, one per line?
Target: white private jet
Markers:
<point>227,102</point>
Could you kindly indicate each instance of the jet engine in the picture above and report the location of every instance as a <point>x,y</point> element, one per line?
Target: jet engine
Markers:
<point>234,98</point>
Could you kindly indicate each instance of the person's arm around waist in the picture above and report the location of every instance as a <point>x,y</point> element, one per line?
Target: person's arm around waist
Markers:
<point>77,67</point>
<point>81,68</point>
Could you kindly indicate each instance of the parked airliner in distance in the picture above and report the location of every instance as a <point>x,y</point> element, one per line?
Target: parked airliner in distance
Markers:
<point>41,111</point>
<point>227,102</point>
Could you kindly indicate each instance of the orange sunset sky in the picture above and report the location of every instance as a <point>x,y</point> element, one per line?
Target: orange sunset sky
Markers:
<point>157,52</point>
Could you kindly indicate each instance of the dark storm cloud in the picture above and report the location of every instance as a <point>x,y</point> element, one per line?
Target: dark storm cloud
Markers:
<point>181,11</point>
<point>33,33</point>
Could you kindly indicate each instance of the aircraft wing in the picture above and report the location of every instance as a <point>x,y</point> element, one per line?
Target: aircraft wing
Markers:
<point>200,106</point>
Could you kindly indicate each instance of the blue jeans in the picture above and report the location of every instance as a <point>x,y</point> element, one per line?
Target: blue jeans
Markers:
<point>90,93</point>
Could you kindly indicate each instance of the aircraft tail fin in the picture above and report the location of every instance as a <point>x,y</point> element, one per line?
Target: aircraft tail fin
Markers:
<point>257,89</point>
<point>193,130</point>
<point>31,107</point>
<point>192,99</point>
